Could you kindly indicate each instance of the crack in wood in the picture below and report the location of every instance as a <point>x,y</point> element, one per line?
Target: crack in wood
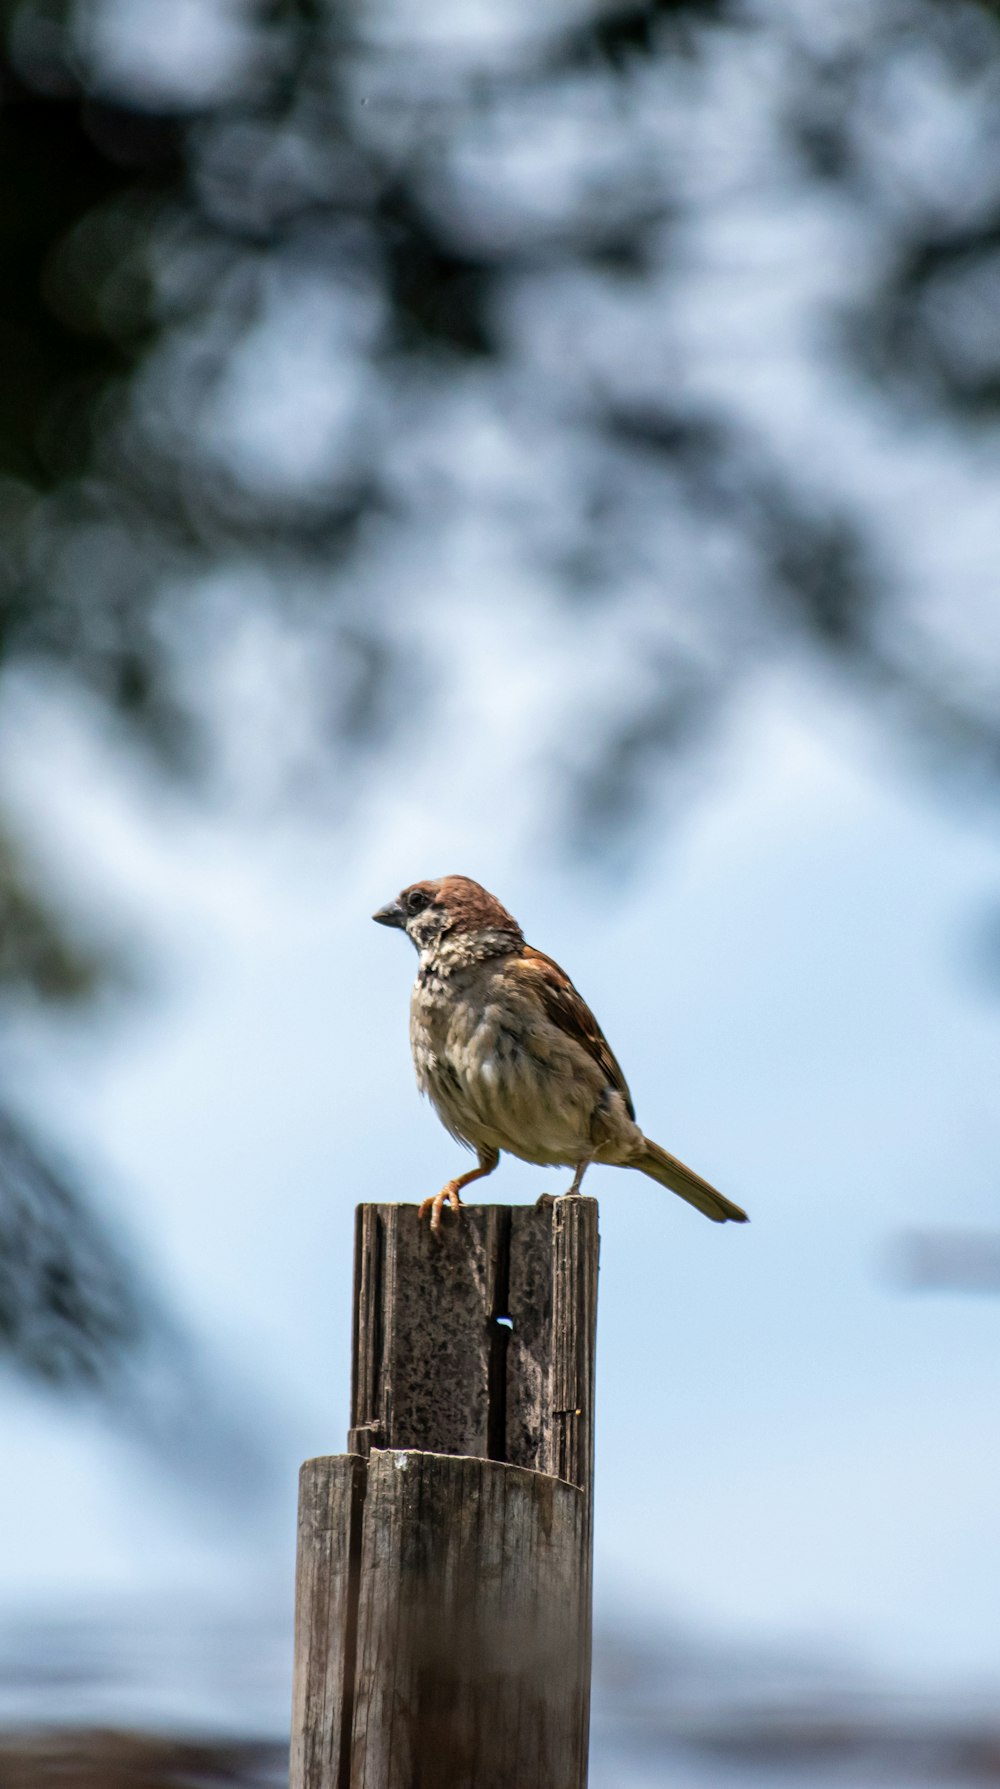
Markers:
<point>359,1491</point>
<point>500,1334</point>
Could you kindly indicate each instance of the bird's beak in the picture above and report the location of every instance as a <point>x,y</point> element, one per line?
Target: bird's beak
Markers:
<point>392,915</point>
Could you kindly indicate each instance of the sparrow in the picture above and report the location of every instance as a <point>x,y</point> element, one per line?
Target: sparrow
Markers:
<point>512,1057</point>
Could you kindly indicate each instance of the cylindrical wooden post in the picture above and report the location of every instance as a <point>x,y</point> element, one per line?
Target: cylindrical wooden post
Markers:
<point>444,1567</point>
<point>445,1652</point>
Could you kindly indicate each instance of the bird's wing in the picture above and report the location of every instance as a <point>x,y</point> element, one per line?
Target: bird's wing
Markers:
<point>567,1010</point>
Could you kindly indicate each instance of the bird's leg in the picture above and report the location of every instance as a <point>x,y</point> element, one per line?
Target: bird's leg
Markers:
<point>573,1192</point>
<point>488,1159</point>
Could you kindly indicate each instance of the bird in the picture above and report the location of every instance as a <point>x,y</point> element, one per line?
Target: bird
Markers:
<point>510,1055</point>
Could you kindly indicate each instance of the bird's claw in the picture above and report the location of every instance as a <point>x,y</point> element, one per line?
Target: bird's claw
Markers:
<point>436,1203</point>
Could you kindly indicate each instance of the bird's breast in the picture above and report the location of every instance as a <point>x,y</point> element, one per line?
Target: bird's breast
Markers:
<point>499,1075</point>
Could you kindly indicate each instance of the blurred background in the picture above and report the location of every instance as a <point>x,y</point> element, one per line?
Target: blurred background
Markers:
<point>557,443</point>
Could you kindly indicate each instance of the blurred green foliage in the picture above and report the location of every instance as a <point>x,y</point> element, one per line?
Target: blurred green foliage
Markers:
<point>150,233</point>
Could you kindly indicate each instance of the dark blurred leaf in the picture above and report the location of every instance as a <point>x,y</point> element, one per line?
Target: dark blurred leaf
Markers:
<point>72,1307</point>
<point>69,164</point>
<point>439,296</point>
<point>41,952</point>
<point>618,35</point>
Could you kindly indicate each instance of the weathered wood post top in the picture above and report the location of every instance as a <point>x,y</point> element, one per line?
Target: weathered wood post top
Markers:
<point>443,1599</point>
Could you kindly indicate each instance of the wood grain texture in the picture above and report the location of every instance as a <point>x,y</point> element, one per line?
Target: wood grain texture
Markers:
<point>528,1390</point>
<point>436,1367</point>
<point>574,1335</point>
<point>470,1672</point>
<point>421,1331</point>
<point>331,1497</point>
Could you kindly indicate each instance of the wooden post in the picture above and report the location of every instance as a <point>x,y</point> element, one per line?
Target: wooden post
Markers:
<point>443,1596</point>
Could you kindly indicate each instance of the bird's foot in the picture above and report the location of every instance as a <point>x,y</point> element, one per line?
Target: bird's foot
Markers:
<point>436,1203</point>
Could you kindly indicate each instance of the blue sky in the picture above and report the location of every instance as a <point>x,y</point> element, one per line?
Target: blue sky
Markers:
<point>790,1450</point>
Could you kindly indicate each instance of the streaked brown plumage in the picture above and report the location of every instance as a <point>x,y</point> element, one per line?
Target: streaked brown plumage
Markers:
<point>511,1055</point>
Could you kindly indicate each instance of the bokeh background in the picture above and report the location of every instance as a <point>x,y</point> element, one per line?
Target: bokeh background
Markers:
<point>558,443</point>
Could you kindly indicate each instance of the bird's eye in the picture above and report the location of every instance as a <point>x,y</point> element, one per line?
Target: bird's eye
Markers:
<point>416,901</point>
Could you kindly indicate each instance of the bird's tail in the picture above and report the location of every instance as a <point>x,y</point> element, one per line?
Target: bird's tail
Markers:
<point>665,1168</point>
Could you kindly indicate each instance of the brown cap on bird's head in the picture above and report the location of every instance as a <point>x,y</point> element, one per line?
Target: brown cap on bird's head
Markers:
<point>458,905</point>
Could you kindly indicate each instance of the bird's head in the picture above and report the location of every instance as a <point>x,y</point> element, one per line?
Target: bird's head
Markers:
<point>452,915</point>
